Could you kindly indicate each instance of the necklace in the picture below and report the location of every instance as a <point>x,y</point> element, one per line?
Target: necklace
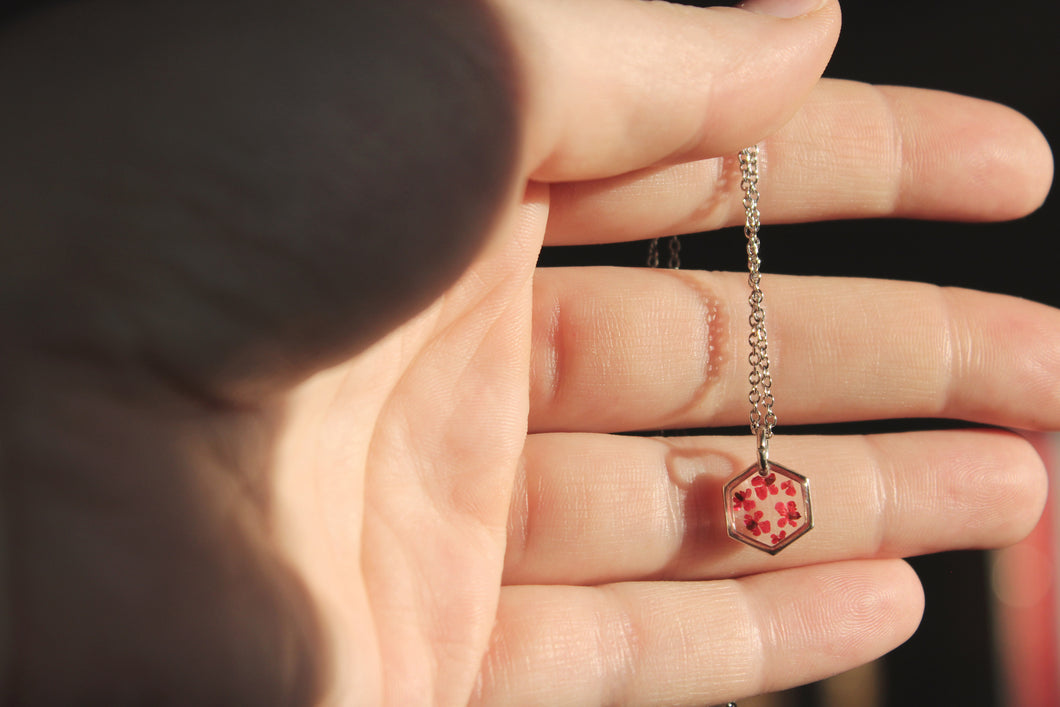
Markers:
<point>784,495</point>
<point>767,506</point>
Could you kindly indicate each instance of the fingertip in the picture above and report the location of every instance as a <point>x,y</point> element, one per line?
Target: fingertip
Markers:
<point>988,484</point>
<point>837,616</point>
<point>882,601</point>
<point>1028,488</point>
<point>967,159</point>
<point>1040,166</point>
<point>906,578</point>
<point>1019,153</point>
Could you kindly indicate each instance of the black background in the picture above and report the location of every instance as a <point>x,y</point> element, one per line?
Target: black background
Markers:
<point>1005,52</point>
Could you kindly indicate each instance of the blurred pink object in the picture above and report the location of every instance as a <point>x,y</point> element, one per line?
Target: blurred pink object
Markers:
<point>1024,579</point>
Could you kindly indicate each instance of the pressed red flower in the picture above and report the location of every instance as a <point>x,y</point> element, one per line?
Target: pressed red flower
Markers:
<point>789,487</point>
<point>776,538</point>
<point>743,499</point>
<point>789,514</point>
<point>765,486</point>
<point>755,524</point>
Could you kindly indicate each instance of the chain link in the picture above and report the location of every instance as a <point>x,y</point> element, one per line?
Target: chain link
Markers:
<point>674,263</point>
<point>761,396</point>
<point>674,244</point>
<point>762,417</point>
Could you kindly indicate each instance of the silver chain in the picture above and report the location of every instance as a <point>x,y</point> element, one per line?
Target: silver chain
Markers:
<point>674,263</point>
<point>761,396</point>
<point>763,418</point>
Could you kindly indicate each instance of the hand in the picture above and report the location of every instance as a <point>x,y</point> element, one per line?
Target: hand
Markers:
<point>290,416</point>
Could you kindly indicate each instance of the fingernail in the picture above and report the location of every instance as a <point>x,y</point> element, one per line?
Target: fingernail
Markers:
<point>782,8</point>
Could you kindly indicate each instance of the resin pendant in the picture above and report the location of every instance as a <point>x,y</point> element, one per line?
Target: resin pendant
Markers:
<point>768,511</point>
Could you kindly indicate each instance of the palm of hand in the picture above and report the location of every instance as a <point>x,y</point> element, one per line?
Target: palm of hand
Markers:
<point>399,469</point>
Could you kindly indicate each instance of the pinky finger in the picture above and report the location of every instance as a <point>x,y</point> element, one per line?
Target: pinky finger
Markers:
<point>693,643</point>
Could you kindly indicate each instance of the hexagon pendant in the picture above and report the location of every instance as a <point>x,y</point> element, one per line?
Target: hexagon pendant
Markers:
<point>768,511</point>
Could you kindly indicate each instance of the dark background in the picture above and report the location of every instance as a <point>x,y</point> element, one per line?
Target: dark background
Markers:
<point>1005,52</point>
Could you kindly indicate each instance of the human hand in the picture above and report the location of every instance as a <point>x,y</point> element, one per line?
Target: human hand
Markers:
<point>270,441</point>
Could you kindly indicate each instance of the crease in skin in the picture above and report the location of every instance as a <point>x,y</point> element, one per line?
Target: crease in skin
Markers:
<point>954,354</point>
<point>696,476</point>
<point>519,528</point>
<point>577,344</point>
<point>497,663</point>
<point>883,491</point>
<point>844,126</point>
<point>555,350</point>
<point>713,338</point>
<point>619,649</point>
<point>754,679</point>
<point>900,163</point>
<point>675,495</point>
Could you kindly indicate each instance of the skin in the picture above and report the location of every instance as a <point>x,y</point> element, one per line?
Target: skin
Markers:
<point>289,416</point>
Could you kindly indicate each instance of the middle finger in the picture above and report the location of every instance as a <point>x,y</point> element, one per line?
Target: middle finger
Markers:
<point>618,349</point>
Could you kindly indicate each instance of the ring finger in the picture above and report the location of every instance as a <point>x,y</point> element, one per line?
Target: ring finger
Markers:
<point>590,508</point>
